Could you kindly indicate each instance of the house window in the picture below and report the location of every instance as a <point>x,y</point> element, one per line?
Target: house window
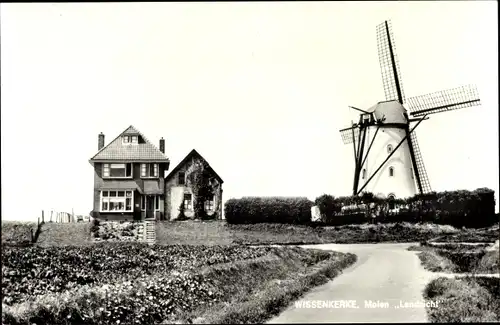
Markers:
<point>130,139</point>
<point>149,170</point>
<point>181,178</point>
<point>188,203</point>
<point>364,173</point>
<point>209,204</point>
<point>391,171</point>
<point>116,201</point>
<point>117,170</point>
<point>389,148</point>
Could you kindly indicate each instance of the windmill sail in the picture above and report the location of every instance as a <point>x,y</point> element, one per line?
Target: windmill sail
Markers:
<point>347,134</point>
<point>444,100</point>
<point>422,173</point>
<point>389,63</point>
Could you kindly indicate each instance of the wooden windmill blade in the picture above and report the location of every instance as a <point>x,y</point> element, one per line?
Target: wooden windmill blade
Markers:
<point>423,182</point>
<point>444,100</point>
<point>389,63</point>
<point>349,134</point>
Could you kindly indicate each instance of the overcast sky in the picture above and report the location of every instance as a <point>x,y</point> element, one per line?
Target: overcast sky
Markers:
<point>259,89</point>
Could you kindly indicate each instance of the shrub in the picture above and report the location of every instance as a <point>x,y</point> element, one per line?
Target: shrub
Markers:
<point>293,210</point>
<point>457,208</point>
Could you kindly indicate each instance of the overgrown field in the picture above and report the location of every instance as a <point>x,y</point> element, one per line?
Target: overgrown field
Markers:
<point>220,233</point>
<point>459,258</point>
<point>209,233</point>
<point>471,299</point>
<point>17,233</point>
<point>141,284</point>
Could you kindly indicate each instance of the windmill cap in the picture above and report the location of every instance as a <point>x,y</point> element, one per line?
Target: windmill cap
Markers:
<point>392,111</point>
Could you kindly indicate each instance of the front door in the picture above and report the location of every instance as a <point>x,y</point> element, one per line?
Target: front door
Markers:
<point>150,207</point>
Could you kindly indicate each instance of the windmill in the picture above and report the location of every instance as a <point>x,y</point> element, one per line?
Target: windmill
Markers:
<point>387,157</point>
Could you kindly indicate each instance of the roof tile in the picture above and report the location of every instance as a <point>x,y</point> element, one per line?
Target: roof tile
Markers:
<point>116,150</point>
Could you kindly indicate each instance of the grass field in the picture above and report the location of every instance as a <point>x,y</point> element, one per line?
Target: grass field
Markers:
<point>134,283</point>
<point>221,233</point>
<point>17,233</point>
<point>459,258</point>
<point>217,232</point>
<point>471,299</point>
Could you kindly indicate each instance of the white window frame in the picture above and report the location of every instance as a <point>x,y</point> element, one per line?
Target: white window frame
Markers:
<point>108,198</point>
<point>130,139</point>
<point>210,204</point>
<point>189,205</point>
<point>146,170</point>
<point>108,167</point>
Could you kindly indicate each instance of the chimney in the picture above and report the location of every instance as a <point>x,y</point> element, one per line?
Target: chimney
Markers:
<point>101,141</point>
<point>162,145</point>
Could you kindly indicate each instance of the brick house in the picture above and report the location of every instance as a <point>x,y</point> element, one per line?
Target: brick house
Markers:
<point>178,191</point>
<point>129,180</point>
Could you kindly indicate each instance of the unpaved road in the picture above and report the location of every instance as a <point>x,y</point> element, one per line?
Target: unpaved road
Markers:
<point>385,273</point>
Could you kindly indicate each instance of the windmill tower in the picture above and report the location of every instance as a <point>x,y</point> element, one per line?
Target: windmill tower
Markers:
<point>387,157</point>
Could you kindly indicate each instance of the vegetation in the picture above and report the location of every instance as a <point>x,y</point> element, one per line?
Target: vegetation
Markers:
<point>459,258</point>
<point>201,181</point>
<point>218,232</point>
<point>457,208</point>
<point>471,299</point>
<point>24,268</point>
<point>142,284</point>
<point>250,210</point>
<point>64,234</point>
<point>17,233</point>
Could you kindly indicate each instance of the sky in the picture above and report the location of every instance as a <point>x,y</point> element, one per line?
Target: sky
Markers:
<point>260,89</point>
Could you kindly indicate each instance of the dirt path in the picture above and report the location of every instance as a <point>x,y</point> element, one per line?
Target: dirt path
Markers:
<point>385,275</point>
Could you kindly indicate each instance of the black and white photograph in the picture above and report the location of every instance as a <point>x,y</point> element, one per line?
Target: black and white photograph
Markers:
<point>249,162</point>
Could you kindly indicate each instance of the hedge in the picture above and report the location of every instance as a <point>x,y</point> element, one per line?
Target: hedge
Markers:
<point>460,208</point>
<point>249,210</point>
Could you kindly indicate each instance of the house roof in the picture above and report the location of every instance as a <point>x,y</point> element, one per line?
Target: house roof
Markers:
<point>151,187</point>
<point>190,155</point>
<point>117,151</point>
<point>121,184</point>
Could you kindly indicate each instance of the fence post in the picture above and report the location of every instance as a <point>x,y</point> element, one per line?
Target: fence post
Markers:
<point>43,217</point>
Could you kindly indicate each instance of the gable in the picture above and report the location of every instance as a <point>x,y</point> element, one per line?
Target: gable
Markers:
<point>119,151</point>
<point>187,162</point>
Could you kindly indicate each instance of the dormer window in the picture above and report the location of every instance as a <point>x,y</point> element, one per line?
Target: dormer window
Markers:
<point>130,139</point>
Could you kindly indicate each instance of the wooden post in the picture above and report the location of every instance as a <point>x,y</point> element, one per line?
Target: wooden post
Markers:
<point>72,215</point>
<point>43,217</point>
<point>51,212</point>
